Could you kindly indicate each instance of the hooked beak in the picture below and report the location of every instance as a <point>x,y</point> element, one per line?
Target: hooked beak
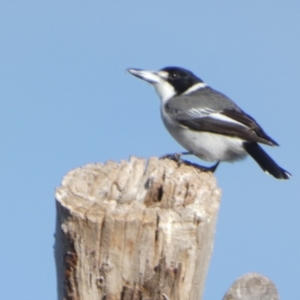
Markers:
<point>149,76</point>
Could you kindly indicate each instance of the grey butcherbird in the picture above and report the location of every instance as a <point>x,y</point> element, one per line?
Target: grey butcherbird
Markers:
<point>207,123</point>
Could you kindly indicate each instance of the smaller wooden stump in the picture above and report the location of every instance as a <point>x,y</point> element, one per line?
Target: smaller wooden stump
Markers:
<point>135,230</point>
<point>252,286</point>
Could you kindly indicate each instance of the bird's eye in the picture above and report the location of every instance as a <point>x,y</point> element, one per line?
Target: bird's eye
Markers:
<point>173,75</point>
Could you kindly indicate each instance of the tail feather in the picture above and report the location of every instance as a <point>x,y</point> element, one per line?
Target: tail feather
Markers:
<point>265,161</point>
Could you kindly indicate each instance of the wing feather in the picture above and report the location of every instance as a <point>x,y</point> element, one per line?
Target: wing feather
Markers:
<point>229,122</point>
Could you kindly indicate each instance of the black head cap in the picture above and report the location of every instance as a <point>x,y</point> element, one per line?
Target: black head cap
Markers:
<point>181,79</point>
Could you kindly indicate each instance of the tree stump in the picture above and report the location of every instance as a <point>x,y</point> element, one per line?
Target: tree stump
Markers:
<point>252,286</point>
<point>135,230</point>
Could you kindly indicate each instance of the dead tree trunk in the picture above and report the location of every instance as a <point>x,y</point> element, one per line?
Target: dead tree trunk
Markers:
<point>135,230</point>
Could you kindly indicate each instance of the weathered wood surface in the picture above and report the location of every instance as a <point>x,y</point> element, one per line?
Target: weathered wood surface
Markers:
<point>252,286</point>
<point>135,230</point>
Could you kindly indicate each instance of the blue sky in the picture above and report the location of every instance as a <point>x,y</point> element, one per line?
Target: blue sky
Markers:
<point>66,101</point>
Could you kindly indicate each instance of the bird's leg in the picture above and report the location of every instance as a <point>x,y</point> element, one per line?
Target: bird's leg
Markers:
<point>202,168</point>
<point>213,168</point>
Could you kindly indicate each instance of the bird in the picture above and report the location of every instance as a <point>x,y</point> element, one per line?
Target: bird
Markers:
<point>207,123</point>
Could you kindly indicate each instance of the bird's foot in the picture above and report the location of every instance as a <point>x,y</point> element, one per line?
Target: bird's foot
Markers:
<point>211,169</point>
<point>175,156</point>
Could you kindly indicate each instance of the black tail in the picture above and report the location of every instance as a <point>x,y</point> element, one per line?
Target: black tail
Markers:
<point>265,161</point>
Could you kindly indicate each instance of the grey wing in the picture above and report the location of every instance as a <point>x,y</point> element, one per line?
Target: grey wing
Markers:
<point>203,98</point>
<point>220,115</point>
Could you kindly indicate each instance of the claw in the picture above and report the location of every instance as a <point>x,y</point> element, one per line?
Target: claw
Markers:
<point>177,158</point>
<point>174,156</point>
